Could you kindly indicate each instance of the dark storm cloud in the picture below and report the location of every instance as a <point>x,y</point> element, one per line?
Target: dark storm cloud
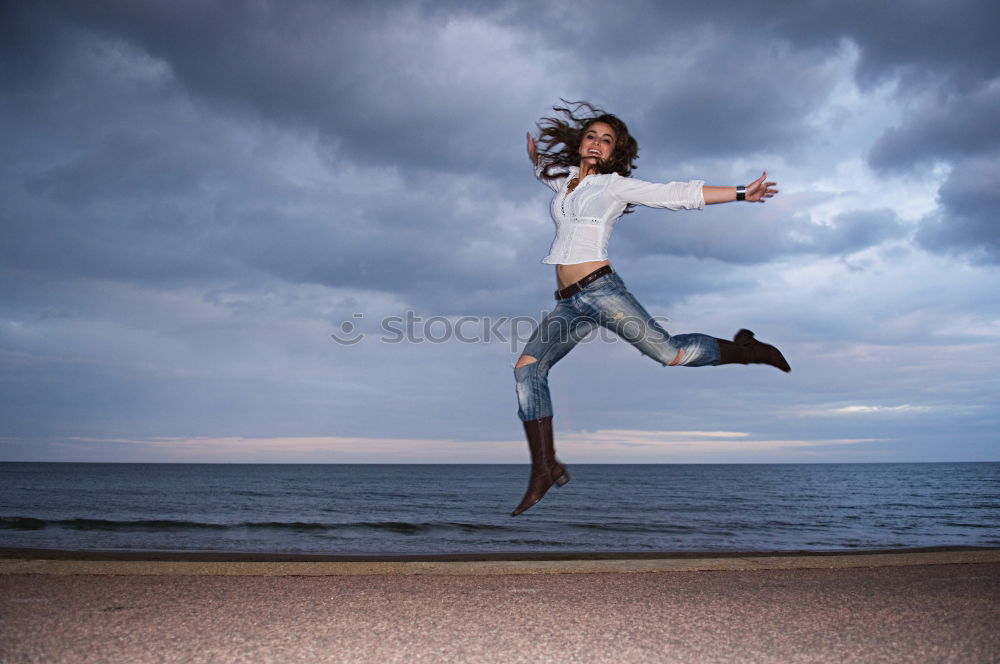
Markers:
<point>373,80</point>
<point>691,82</point>
<point>915,41</point>
<point>414,243</point>
<point>967,223</point>
<point>372,77</point>
<point>318,64</point>
<point>941,127</point>
<point>959,130</point>
<point>944,60</point>
<point>747,79</point>
<point>136,175</point>
<point>112,185</point>
<point>30,39</point>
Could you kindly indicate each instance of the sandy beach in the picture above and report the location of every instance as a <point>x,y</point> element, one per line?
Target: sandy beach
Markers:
<point>941,606</point>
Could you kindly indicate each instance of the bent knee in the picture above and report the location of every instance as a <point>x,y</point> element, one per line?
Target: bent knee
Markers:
<point>524,361</point>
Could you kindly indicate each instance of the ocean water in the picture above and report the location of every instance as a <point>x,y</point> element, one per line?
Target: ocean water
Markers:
<point>430,509</point>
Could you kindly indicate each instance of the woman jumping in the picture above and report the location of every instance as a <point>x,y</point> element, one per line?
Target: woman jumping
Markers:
<point>587,160</point>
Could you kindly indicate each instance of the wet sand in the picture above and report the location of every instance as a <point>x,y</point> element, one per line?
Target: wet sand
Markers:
<point>940,606</point>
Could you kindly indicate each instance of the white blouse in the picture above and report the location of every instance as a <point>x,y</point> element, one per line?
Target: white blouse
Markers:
<point>586,216</point>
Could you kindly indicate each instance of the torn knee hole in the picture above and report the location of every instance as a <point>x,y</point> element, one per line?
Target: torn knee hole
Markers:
<point>524,361</point>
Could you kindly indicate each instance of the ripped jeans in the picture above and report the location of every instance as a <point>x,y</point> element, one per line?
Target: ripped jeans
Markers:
<point>605,301</point>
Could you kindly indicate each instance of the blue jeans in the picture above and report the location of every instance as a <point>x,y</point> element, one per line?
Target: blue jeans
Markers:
<point>605,301</point>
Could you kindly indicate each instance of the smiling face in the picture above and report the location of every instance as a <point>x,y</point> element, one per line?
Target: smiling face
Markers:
<point>598,143</point>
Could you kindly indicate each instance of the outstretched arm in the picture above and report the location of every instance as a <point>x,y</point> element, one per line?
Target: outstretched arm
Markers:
<point>757,191</point>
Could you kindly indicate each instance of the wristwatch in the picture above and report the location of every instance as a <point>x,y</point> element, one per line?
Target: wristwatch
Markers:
<point>741,193</point>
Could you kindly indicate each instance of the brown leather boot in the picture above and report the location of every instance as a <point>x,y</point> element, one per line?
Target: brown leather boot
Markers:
<point>546,470</point>
<point>744,349</point>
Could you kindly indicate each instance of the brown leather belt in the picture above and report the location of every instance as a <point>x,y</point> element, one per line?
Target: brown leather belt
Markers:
<point>578,286</point>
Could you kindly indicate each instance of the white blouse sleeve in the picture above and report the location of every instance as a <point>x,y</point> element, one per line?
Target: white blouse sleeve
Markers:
<point>671,195</point>
<point>555,184</point>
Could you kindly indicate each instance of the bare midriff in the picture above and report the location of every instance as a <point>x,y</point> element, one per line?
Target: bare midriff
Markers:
<point>570,274</point>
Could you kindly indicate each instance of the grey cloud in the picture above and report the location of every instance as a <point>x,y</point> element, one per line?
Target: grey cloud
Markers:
<point>942,126</point>
<point>307,63</point>
<point>915,42</point>
<point>690,82</point>
<point>316,64</point>
<point>848,233</point>
<point>128,164</point>
<point>144,194</point>
<point>30,38</point>
<point>943,58</point>
<point>414,244</point>
<point>311,66</point>
<point>694,110</point>
<point>116,199</point>
<point>967,223</point>
<point>956,38</point>
<point>760,237</point>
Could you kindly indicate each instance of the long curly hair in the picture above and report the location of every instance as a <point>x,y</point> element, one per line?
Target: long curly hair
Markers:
<point>559,140</point>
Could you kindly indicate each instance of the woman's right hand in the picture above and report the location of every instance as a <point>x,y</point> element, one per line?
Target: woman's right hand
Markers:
<point>759,190</point>
<point>532,149</point>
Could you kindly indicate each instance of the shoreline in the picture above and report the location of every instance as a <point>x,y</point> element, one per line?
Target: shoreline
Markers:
<point>176,563</point>
<point>21,553</point>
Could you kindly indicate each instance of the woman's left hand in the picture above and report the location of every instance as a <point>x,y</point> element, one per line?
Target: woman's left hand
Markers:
<point>532,149</point>
<point>758,191</point>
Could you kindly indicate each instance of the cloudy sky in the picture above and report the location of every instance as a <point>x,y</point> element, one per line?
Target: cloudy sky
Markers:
<point>198,199</point>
